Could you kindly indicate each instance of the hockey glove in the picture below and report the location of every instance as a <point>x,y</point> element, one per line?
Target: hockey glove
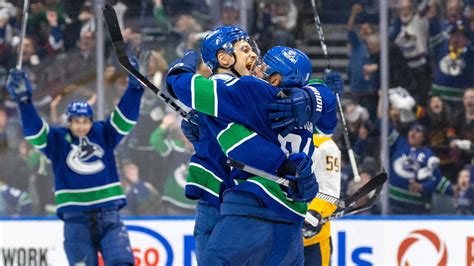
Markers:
<point>309,230</point>
<point>191,128</point>
<point>299,107</point>
<point>188,63</point>
<point>133,83</point>
<point>334,82</point>
<point>304,186</point>
<point>19,86</point>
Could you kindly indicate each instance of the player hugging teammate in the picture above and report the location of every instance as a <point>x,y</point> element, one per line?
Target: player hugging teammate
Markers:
<point>244,219</point>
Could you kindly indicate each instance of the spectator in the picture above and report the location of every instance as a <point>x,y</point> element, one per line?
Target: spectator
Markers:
<point>410,32</point>
<point>284,15</point>
<point>30,55</point>
<point>464,193</point>
<point>367,171</point>
<point>188,28</point>
<point>142,197</point>
<point>35,168</point>
<point>86,45</point>
<point>86,17</point>
<point>401,106</point>
<point>437,119</point>
<point>263,25</point>
<point>161,20</point>
<point>464,126</point>
<point>13,202</point>
<point>359,56</point>
<point>414,173</point>
<point>7,14</point>
<point>454,61</point>
<point>229,15</point>
<point>55,38</point>
<point>454,9</point>
<point>8,134</point>
<point>169,142</point>
<point>366,144</point>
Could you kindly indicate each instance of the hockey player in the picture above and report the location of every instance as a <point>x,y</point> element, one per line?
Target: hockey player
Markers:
<point>327,166</point>
<point>88,193</point>
<point>267,210</point>
<point>317,240</point>
<point>207,168</point>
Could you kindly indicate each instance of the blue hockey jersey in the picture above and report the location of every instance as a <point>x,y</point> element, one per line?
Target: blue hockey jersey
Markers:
<point>416,164</point>
<point>14,202</point>
<point>208,169</point>
<point>242,104</point>
<point>453,71</point>
<point>85,171</point>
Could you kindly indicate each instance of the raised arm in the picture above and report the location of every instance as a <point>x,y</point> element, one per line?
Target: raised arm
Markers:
<point>126,113</point>
<point>35,129</point>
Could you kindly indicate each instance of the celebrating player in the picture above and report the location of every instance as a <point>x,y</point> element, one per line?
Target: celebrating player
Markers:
<point>268,211</point>
<point>208,169</point>
<point>88,193</point>
<point>278,69</point>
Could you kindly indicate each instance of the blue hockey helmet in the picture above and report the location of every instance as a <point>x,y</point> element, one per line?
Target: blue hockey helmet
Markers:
<point>222,38</point>
<point>79,109</point>
<point>292,64</point>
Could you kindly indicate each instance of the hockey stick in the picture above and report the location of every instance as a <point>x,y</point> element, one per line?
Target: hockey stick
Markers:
<point>110,18</point>
<point>19,61</point>
<point>382,177</point>
<point>280,180</point>
<point>350,152</point>
<point>341,203</point>
<point>308,233</point>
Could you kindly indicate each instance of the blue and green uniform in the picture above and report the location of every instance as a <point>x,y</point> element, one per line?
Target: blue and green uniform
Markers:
<point>238,102</point>
<point>88,193</point>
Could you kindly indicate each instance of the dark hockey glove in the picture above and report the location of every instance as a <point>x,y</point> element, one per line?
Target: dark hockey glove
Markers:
<point>304,186</point>
<point>133,83</point>
<point>334,82</point>
<point>191,128</point>
<point>309,230</point>
<point>298,107</point>
<point>19,86</point>
<point>188,63</point>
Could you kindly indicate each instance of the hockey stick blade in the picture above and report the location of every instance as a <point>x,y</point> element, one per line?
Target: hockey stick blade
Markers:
<point>356,209</point>
<point>113,27</point>
<point>374,183</point>
<point>282,181</point>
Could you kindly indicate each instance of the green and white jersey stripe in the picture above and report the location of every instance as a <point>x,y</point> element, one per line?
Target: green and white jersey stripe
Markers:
<point>204,95</point>
<point>88,196</point>
<point>40,139</point>
<point>447,93</point>
<point>120,122</point>
<point>232,136</point>
<point>201,177</point>
<point>315,81</point>
<point>443,185</point>
<point>273,190</point>
<point>407,196</point>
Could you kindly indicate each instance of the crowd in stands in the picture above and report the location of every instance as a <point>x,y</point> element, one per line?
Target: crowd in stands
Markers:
<point>431,76</point>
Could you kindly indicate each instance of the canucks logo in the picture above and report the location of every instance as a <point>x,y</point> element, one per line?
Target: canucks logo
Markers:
<point>452,67</point>
<point>85,158</point>
<point>406,166</point>
<point>290,55</point>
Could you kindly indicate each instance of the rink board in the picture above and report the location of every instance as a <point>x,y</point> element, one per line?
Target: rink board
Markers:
<point>169,241</point>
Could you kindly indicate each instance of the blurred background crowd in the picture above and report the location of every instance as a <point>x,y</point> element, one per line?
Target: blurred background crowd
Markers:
<point>431,65</point>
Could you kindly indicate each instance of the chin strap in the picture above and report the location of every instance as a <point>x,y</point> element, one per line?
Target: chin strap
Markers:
<point>231,67</point>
